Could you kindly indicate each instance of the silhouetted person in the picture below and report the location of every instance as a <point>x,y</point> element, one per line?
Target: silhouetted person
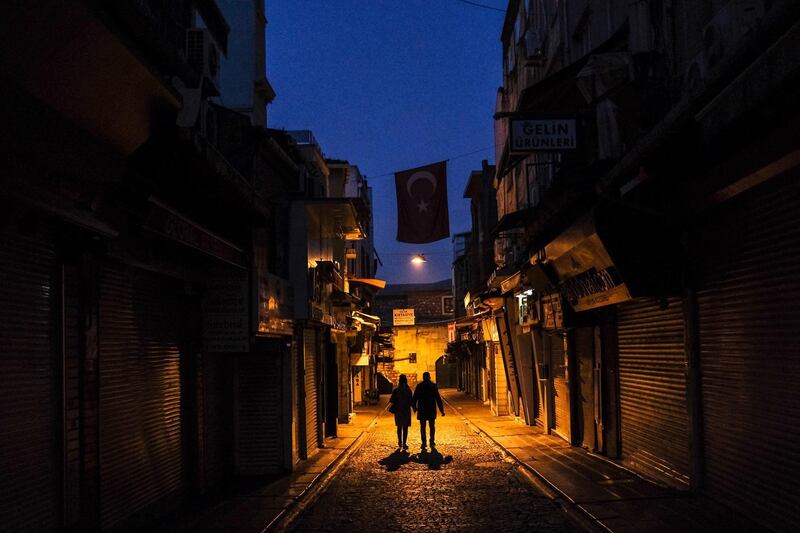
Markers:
<point>402,402</point>
<point>426,400</point>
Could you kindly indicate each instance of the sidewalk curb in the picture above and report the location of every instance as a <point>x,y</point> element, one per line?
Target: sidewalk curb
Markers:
<point>291,513</point>
<point>579,516</point>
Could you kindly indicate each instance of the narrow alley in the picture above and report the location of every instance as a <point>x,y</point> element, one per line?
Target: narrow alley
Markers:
<point>241,240</point>
<point>464,484</point>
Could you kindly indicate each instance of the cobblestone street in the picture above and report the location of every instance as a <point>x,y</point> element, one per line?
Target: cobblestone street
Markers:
<point>464,485</point>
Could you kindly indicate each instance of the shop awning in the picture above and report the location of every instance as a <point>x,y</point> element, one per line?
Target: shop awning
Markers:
<point>367,318</point>
<point>364,323</point>
<point>369,282</point>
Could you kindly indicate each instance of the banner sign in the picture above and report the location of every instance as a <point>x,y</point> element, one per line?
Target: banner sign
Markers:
<point>542,135</point>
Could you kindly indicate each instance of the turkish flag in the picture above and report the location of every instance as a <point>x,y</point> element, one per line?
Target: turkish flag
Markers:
<point>422,204</point>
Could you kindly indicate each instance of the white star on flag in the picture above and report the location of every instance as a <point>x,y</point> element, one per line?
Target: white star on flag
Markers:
<point>422,206</point>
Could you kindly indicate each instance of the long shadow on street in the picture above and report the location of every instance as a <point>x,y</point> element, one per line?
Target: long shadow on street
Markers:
<point>432,458</point>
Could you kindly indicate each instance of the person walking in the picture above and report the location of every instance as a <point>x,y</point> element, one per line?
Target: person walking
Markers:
<point>425,401</point>
<point>401,404</point>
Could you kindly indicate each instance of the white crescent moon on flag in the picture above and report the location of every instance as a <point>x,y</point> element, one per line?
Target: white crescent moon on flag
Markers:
<point>421,175</point>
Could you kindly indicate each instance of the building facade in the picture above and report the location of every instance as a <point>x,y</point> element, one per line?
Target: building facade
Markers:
<point>421,345</point>
<point>151,336</point>
<point>644,181</point>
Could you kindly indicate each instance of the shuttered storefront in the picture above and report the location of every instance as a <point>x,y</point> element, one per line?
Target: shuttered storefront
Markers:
<point>652,388</point>
<point>259,403</point>
<point>749,329</point>
<point>29,444</point>
<point>217,412</point>
<point>310,381</point>
<point>558,365</point>
<point>141,462</point>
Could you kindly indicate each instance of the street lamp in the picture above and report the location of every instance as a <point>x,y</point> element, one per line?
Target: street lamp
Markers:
<point>418,259</point>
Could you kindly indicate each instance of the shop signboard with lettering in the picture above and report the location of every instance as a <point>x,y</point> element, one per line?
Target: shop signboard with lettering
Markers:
<point>225,312</point>
<point>552,311</point>
<point>403,317</point>
<point>542,135</point>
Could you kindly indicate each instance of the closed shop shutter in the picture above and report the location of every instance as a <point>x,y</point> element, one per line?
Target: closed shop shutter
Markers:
<point>310,358</point>
<point>558,365</point>
<point>652,388</point>
<point>218,428</point>
<point>29,445</point>
<point>259,435</point>
<point>141,462</point>
<point>749,328</point>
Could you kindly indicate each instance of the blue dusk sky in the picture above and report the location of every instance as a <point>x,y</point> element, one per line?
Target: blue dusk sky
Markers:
<point>391,85</point>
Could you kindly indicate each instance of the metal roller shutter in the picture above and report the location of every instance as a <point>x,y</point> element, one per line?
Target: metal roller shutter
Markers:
<point>558,364</point>
<point>310,358</point>
<point>218,428</point>
<point>141,461</point>
<point>259,446</point>
<point>652,388</point>
<point>749,318</point>
<point>29,445</point>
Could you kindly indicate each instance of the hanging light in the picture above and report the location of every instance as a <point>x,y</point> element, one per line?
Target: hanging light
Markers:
<point>418,259</point>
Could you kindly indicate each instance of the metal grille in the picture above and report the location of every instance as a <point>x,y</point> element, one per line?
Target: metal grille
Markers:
<point>652,387</point>
<point>310,357</point>
<point>141,462</point>
<point>259,442</point>
<point>29,497</point>
<point>749,315</point>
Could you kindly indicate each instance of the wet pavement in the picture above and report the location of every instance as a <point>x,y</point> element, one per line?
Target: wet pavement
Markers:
<point>462,485</point>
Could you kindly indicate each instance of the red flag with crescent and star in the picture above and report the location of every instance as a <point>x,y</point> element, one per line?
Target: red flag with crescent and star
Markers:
<point>422,204</point>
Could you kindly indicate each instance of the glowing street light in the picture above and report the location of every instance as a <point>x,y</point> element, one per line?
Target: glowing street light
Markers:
<point>418,259</point>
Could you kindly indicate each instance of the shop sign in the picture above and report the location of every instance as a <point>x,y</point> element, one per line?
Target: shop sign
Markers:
<point>552,312</point>
<point>403,317</point>
<point>528,308</point>
<point>510,283</point>
<point>451,332</point>
<point>225,313</point>
<point>167,222</point>
<point>542,135</point>
<point>595,288</point>
<point>589,278</point>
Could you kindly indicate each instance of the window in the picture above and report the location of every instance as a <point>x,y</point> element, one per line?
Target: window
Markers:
<point>412,358</point>
<point>447,305</point>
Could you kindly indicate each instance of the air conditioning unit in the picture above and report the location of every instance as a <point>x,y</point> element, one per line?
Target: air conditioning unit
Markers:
<point>202,55</point>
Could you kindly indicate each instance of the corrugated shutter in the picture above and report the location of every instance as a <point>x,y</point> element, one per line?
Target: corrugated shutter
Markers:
<point>652,388</point>
<point>29,444</point>
<point>218,427</point>
<point>749,315</point>
<point>259,438</point>
<point>310,358</point>
<point>558,365</point>
<point>141,462</point>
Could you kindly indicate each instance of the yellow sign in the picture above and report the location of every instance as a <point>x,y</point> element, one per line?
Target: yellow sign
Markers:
<point>403,317</point>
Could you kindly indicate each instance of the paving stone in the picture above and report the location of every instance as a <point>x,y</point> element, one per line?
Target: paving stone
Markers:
<point>463,485</point>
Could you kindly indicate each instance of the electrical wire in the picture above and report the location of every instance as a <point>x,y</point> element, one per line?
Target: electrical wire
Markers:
<point>459,156</point>
<point>484,6</point>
